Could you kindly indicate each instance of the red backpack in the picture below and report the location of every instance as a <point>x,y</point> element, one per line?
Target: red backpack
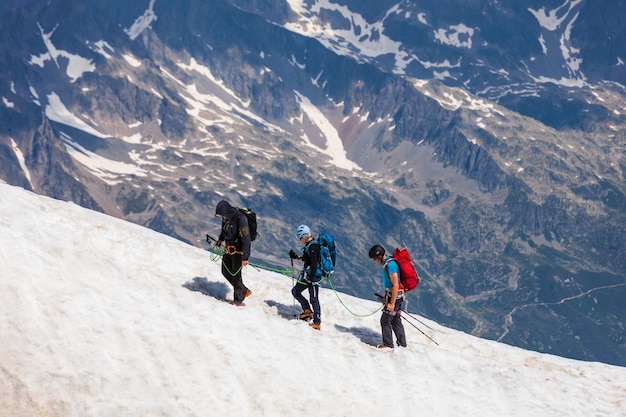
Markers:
<point>408,276</point>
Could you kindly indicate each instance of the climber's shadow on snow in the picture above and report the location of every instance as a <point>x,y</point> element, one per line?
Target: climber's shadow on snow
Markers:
<point>365,334</point>
<point>285,311</point>
<point>217,290</point>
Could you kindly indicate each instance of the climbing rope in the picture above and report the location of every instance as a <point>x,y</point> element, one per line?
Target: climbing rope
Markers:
<point>347,308</point>
<point>287,272</point>
<point>217,254</point>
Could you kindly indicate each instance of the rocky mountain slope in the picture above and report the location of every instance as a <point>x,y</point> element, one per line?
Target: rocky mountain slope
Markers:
<point>488,137</point>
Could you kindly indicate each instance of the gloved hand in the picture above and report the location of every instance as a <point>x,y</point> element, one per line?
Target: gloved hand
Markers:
<point>293,255</point>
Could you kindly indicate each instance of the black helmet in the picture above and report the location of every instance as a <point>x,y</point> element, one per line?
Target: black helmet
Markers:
<point>376,251</point>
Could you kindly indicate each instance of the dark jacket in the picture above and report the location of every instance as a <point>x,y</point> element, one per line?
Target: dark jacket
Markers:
<point>311,258</point>
<point>235,230</point>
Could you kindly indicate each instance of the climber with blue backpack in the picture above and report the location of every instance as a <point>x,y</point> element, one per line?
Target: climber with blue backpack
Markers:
<point>319,258</point>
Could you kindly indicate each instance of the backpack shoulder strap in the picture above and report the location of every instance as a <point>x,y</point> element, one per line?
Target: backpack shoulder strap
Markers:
<point>400,286</point>
<point>239,216</point>
<point>386,264</point>
<point>309,243</point>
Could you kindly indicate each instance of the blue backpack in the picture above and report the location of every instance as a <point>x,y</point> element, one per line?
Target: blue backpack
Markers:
<point>328,254</point>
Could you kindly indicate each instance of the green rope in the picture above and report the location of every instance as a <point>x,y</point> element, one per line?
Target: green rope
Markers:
<point>217,253</point>
<point>347,308</point>
<point>306,282</point>
<point>287,272</point>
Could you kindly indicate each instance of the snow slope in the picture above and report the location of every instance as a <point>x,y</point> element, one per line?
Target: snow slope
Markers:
<point>100,317</point>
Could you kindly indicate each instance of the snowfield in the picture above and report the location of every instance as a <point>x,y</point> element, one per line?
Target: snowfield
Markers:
<point>101,317</point>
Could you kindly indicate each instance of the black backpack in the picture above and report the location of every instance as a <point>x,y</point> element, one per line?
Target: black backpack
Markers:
<point>251,216</point>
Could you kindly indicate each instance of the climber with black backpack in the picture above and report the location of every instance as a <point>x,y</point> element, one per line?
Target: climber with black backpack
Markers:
<point>235,234</point>
<point>319,261</point>
<point>391,319</point>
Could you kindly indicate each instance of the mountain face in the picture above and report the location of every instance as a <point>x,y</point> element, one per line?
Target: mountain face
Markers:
<point>487,136</point>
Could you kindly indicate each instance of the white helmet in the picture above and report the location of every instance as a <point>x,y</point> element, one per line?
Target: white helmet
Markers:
<point>302,231</point>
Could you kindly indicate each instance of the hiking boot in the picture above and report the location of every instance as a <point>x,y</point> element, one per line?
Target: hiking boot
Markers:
<point>306,315</point>
<point>383,346</point>
<point>248,294</point>
<point>316,326</point>
<point>237,303</point>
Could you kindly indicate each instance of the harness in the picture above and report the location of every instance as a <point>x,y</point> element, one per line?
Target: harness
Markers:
<point>398,297</point>
<point>231,250</point>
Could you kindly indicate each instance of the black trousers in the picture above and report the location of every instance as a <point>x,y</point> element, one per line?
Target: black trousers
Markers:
<point>231,270</point>
<point>314,291</point>
<point>390,323</point>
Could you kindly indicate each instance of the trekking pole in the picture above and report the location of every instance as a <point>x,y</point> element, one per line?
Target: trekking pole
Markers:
<point>293,280</point>
<point>420,330</point>
<point>254,266</point>
<point>418,320</point>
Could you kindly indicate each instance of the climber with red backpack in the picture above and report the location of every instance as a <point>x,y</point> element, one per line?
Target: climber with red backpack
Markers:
<point>391,319</point>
